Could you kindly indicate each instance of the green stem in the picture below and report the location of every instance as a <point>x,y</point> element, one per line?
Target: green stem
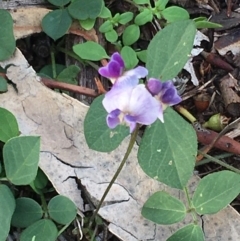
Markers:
<point>130,146</point>
<point>63,228</point>
<point>54,72</point>
<point>205,160</point>
<point>213,159</point>
<point>190,204</point>
<point>44,205</point>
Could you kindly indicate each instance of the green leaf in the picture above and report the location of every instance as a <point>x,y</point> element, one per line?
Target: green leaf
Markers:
<point>69,74</point>
<point>131,34</point>
<point>207,24</point>
<point>82,9</point>
<point>9,125</point>
<point>6,210</point>
<point>3,85</point>
<point>129,56</point>
<point>87,24</point>
<point>43,229</point>
<point>161,4</point>
<point>48,71</point>
<point>162,208</point>
<point>56,23</point>
<point>125,17</point>
<point>142,55</point>
<point>215,191</point>
<point>174,13</point>
<point>111,36</point>
<point>105,13</point>
<point>99,136</point>
<point>26,213</point>
<point>106,26</point>
<point>142,1</point>
<point>21,157</point>
<point>59,3</point>
<point>169,50</point>
<point>7,40</point>
<point>39,182</point>
<point>167,150</point>
<point>62,210</point>
<point>188,233</point>
<point>144,17</point>
<point>90,50</point>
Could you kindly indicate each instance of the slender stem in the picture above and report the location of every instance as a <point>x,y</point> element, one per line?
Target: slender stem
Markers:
<point>54,72</point>
<point>63,228</point>
<point>190,204</point>
<point>129,149</point>
<point>213,159</point>
<point>185,113</point>
<point>44,205</point>
<point>206,160</point>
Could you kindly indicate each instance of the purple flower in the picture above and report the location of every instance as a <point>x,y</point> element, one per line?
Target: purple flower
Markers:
<point>165,93</point>
<point>114,71</point>
<point>127,104</point>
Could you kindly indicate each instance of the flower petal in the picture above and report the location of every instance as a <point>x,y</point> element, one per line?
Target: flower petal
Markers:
<point>118,58</point>
<point>111,70</point>
<point>169,94</point>
<point>154,86</point>
<point>143,106</point>
<point>131,121</point>
<point>112,119</point>
<point>139,72</point>
<point>117,98</point>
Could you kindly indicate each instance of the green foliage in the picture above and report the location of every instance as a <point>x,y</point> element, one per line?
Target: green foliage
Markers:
<point>131,34</point>
<point>129,56</point>
<point>21,157</point>
<point>162,208</point>
<point>101,138</point>
<point>87,24</point>
<point>125,17</point>
<point>3,85</point>
<point>7,40</point>
<point>39,182</point>
<point>9,125</point>
<point>82,9</point>
<point>144,17</point>
<point>56,23</point>
<point>26,213</point>
<point>173,14</point>
<point>111,36</point>
<point>69,74</point>
<point>188,233</point>
<point>60,215</point>
<point>43,229</point>
<point>59,3</point>
<point>202,22</point>
<point>216,191</point>
<point>47,70</point>
<point>169,50</point>
<point>6,210</point>
<point>90,50</point>
<point>170,158</point>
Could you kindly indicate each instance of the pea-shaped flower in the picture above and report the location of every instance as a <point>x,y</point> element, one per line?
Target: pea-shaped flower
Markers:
<point>165,93</point>
<point>129,105</point>
<point>114,71</point>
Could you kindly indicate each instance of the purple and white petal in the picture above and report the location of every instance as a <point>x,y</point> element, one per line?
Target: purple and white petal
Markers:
<point>139,72</point>
<point>111,70</point>
<point>118,58</point>
<point>117,98</point>
<point>113,119</point>
<point>143,105</point>
<point>171,97</point>
<point>131,122</point>
<point>154,86</point>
